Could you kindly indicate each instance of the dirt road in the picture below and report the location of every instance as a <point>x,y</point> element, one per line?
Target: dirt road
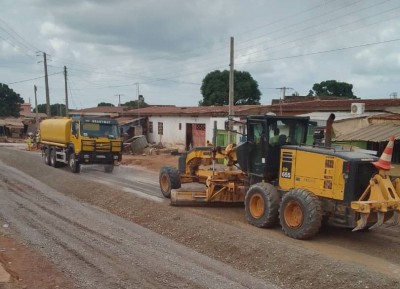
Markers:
<point>100,230</point>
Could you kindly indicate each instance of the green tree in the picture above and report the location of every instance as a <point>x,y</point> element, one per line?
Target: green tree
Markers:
<point>215,89</point>
<point>332,88</point>
<point>10,101</point>
<point>41,108</point>
<point>105,104</point>
<point>57,109</point>
<point>136,104</point>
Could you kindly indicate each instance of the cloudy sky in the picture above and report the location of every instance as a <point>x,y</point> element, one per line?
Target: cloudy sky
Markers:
<point>164,48</point>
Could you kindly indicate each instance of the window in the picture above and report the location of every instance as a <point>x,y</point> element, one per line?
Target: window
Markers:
<point>150,127</point>
<point>160,128</point>
<point>180,126</point>
<point>93,129</point>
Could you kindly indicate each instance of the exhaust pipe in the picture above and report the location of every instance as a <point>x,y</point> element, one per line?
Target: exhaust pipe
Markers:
<point>328,130</point>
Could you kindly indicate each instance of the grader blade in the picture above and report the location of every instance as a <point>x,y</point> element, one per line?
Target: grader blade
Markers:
<point>190,197</point>
<point>362,222</point>
<point>381,218</point>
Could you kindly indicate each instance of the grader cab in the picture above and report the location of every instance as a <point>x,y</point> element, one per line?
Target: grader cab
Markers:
<point>283,180</point>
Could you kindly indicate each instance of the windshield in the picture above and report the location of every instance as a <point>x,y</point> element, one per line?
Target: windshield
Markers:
<point>286,132</point>
<point>91,129</point>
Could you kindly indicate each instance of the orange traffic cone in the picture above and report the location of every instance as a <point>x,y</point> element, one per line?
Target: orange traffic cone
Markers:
<point>385,161</point>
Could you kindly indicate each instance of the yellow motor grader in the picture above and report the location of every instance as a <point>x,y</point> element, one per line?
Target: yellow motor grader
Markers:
<point>282,180</point>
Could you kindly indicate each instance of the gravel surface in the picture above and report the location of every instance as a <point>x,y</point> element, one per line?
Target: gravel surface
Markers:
<point>116,231</point>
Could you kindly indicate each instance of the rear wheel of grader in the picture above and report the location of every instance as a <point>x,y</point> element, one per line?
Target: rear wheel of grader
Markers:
<point>169,179</point>
<point>300,214</point>
<point>262,205</point>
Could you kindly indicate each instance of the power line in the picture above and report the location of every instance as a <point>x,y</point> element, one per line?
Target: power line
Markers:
<point>323,51</point>
<point>324,31</point>
<point>199,69</point>
<point>18,35</point>
<point>26,80</point>
<point>202,60</point>
<point>298,24</point>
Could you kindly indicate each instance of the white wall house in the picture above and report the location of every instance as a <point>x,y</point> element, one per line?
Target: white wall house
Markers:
<point>184,132</point>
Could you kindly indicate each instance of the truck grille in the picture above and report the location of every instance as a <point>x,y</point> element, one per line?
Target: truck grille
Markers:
<point>110,146</point>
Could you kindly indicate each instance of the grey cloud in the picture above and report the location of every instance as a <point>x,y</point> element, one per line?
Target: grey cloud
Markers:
<point>153,26</point>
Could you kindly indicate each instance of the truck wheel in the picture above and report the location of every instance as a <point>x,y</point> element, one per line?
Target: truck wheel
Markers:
<point>300,214</point>
<point>74,165</point>
<point>262,205</point>
<point>53,160</point>
<point>47,156</point>
<point>109,168</point>
<point>169,179</point>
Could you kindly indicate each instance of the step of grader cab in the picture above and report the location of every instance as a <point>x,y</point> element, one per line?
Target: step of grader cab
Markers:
<point>381,197</point>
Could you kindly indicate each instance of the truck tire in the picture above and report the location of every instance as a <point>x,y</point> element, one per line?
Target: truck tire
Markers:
<point>74,165</point>
<point>109,168</point>
<point>53,158</point>
<point>300,214</point>
<point>47,156</point>
<point>169,179</point>
<point>262,205</point>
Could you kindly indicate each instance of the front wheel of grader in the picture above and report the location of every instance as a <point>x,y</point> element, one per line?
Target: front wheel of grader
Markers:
<point>169,179</point>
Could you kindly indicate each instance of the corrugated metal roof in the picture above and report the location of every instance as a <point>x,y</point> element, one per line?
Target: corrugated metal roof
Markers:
<point>373,132</point>
<point>103,109</point>
<point>321,117</point>
<point>127,120</point>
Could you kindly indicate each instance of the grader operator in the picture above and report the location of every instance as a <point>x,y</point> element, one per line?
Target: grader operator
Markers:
<point>282,180</point>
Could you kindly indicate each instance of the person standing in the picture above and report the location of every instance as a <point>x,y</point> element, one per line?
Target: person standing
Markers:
<point>29,143</point>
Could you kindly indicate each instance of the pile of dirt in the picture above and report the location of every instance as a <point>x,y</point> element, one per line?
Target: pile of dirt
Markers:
<point>151,162</point>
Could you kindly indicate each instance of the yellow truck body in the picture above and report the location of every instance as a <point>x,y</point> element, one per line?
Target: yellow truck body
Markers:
<point>56,131</point>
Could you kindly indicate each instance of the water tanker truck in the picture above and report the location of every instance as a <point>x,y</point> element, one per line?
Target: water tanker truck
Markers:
<point>81,140</point>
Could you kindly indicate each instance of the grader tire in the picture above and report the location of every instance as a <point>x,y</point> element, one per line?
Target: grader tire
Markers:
<point>169,179</point>
<point>300,214</point>
<point>262,205</point>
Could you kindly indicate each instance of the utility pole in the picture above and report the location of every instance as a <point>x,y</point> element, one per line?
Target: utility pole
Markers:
<point>138,100</point>
<point>283,90</point>
<point>231,91</point>
<point>36,108</point>
<point>119,99</point>
<point>66,91</point>
<point>46,81</point>
<point>283,96</point>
